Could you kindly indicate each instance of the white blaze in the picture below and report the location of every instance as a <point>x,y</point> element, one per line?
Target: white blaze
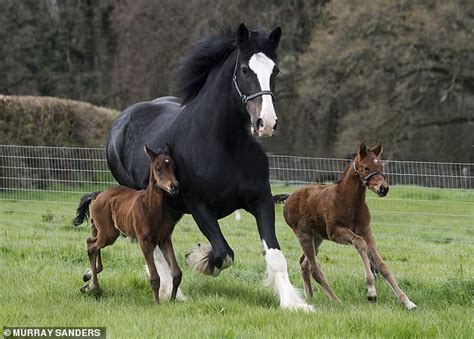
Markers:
<point>262,66</point>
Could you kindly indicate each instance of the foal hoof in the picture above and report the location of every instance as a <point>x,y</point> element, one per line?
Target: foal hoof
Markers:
<point>94,291</point>
<point>372,299</point>
<point>87,275</point>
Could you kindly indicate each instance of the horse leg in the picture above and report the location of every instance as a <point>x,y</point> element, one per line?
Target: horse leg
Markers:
<point>309,266</point>
<point>209,259</point>
<point>147,246</point>
<point>385,272</point>
<point>92,249</point>
<point>343,235</point>
<point>277,271</point>
<point>318,274</point>
<point>168,252</point>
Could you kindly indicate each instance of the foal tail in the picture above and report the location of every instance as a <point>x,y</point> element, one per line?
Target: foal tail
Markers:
<point>83,209</point>
<point>280,198</point>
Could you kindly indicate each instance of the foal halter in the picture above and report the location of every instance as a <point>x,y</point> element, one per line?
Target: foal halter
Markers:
<point>243,97</point>
<point>365,180</point>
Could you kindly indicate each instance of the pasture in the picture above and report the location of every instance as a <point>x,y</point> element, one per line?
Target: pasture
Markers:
<point>430,253</point>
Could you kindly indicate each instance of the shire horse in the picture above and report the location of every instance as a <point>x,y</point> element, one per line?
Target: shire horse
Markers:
<point>137,214</point>
<point>339,213</point>
<point>226,85</point>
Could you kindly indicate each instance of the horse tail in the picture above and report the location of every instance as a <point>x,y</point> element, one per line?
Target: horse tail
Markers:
<point>280,198</point>
<point>83,209</point>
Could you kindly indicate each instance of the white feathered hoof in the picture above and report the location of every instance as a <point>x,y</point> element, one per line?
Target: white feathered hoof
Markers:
<point>277,279</point>
<point>199,260</point>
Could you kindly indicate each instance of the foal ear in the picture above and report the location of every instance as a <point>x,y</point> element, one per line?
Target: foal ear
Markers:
<point>151,154</point>
<point>242,34</point>
<point>167,149</point>
<point>378,149</point>
<point>362,152</point>
<point>275,36</point>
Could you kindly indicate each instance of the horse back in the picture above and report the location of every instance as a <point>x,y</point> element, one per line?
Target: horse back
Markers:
<point>136,126</point>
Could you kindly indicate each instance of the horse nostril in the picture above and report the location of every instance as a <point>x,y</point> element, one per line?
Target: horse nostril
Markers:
<point>275,126</point>
<point>259,123</point>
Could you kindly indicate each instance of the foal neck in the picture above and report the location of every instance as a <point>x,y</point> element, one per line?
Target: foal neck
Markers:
<point>351,188</point>
<point>153,193</point>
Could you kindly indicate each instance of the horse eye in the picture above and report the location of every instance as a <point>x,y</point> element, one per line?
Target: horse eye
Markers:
<point>244,70</point>
<point>159,170</point>
<point>366,167</point>
<point>276,70</point>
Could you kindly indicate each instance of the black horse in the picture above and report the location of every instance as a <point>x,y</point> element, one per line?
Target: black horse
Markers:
<point>226,86</point>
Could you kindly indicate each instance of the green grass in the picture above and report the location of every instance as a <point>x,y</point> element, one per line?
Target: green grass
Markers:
<point>425,235</point>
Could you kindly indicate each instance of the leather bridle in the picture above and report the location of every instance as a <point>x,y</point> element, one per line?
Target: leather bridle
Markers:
<point>365,180</point>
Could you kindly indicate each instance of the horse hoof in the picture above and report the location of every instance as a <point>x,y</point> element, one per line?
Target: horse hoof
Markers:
<point>87,276</point>
<point>410,306</point>
<point>85,289</point>
<point>372,299</point>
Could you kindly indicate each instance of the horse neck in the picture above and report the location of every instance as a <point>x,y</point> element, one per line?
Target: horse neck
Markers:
<point>350,189</point>
<point>220,110</point>
<point>153,195</point>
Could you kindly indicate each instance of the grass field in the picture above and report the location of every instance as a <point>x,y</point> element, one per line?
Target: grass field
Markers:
<point>425,235</point>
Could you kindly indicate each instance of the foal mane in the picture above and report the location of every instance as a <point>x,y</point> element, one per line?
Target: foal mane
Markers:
<point>203,57</point>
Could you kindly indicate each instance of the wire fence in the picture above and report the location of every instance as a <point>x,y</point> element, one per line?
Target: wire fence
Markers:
<point>428,203</point>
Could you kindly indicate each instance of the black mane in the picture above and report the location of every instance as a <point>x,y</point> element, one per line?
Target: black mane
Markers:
<point>204,56</point>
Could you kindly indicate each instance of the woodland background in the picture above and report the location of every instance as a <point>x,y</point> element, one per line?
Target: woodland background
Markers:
<point>401,72</point>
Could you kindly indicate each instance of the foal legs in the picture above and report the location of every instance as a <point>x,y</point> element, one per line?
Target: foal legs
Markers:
<point>383,268</point>
<point>148,247</point>
<point>168,252</point>
<point>343,235</point>
<point>309,266</point>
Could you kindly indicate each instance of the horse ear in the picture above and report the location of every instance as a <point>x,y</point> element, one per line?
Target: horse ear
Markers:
<point>378,149</point>
<point>362,150</point>
<point>151,154</point>
<point>167,149</point>
<point>275,36</point>
<point>242,34</point>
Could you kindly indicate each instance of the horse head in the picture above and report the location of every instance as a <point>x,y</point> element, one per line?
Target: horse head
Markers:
<point>369,167</point>
<point>254,77</point>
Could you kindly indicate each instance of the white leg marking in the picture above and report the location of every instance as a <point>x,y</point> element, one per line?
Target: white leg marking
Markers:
<point>166,280</point>
<point>277,278</point>
<point>409,305</point>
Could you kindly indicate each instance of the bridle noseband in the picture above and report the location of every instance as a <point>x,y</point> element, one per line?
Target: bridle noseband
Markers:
<point>365,180</point>
<point>243,97</point>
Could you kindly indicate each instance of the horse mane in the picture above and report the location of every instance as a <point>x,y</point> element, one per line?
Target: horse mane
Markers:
<point>351,156</point>
<point>203,57</point>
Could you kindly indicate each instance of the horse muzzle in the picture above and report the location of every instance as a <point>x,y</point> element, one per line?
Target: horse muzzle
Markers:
<point>382,191</point>
<point>173,189</point>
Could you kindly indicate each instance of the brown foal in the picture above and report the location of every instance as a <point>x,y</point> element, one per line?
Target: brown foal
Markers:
<point>339,213</point>
<point>137,214</point>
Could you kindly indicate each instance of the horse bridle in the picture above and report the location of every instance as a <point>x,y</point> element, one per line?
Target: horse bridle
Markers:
<point>243,97</point>
<point>365,180</point>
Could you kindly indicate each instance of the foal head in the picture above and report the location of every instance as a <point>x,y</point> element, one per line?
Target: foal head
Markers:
<point>162,169</point>
<point>369,168</point>
<point>254,77</point>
